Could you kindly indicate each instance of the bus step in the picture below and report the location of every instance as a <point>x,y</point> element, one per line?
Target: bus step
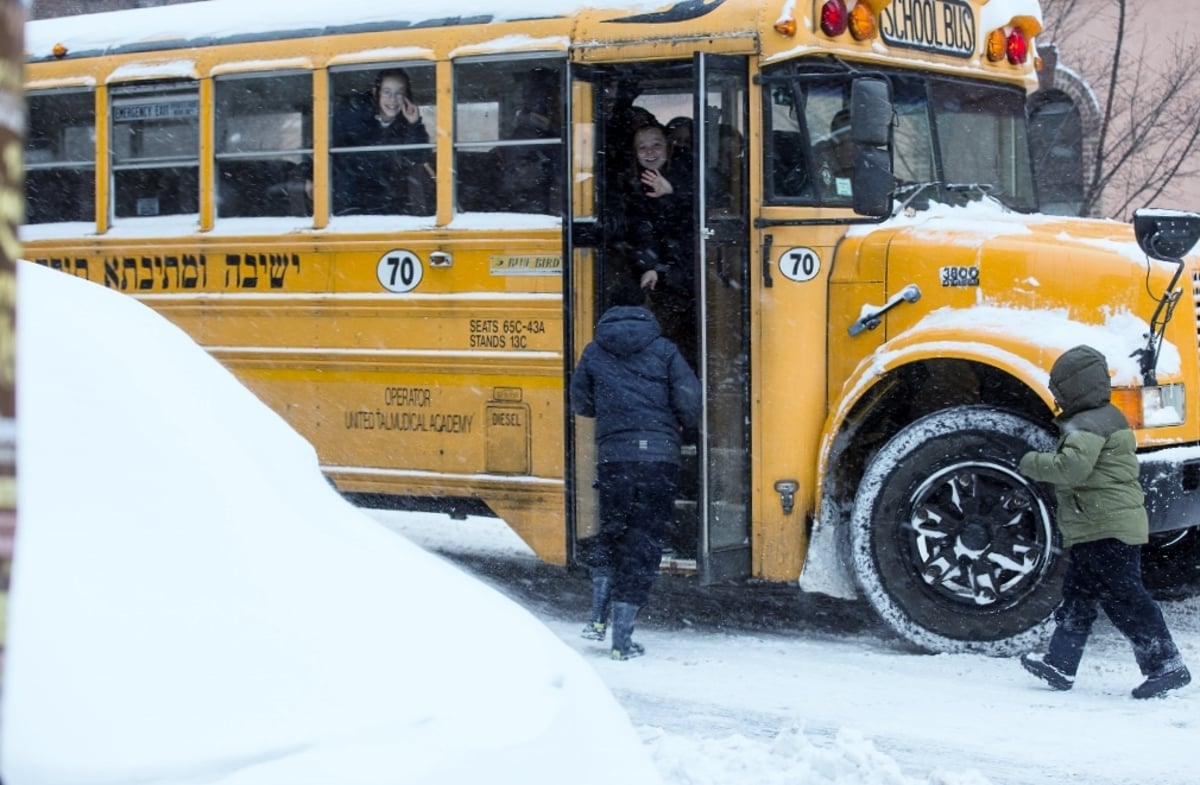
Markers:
<point>677,565</point>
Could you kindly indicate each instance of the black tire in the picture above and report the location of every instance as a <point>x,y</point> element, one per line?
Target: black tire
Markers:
<point>1171,565</point>
<point>953,547</point>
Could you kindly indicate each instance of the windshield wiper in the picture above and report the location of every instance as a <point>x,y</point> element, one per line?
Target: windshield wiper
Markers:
<point>915,189</point>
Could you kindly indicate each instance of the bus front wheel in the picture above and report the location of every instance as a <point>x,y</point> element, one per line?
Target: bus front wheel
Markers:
<point>952,546</point>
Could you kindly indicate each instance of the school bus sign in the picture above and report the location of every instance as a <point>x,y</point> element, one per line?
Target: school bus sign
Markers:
<point>943,26</point>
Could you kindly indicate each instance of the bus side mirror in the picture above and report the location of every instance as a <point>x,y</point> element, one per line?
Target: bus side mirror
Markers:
<point>873,182</point>
<point>1166,235</point>
<point>871,112</point>
<point>871,130</point>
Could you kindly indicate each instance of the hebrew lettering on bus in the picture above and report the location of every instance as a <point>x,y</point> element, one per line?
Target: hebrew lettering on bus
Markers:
<point>77,267</point>
<point>244,271</point>
<point>185,271</point>
<point>148,273</point>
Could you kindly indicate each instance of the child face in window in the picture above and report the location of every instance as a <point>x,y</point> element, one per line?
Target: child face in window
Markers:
<point>650,145</point>
<point>392,99</point>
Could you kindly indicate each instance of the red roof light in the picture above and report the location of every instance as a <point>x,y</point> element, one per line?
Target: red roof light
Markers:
<point>834,18</point>
<point>1017,48</point>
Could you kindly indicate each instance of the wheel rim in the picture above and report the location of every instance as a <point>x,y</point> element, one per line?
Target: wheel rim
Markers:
<point>978,534</point>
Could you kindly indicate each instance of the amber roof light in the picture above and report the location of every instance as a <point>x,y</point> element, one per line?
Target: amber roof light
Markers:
<point>862,22</point>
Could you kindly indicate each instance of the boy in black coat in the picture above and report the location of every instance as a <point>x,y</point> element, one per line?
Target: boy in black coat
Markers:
<point>643,394</point>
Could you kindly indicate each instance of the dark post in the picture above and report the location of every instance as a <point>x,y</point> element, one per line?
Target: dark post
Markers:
<point>12,213</point>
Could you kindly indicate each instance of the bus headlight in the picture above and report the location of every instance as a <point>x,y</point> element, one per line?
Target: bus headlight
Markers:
<point>1151,407</point>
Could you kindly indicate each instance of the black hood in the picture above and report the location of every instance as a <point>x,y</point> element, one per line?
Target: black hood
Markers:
<point>1079,380</point>
<point>626,329</point>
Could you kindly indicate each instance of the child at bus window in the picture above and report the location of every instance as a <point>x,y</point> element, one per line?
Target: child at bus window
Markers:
<point>388,181</point>
<point>725,186</point>
<point>298,190</point>
<point>835,157</point>
<point>679,137</point>
<point>658,228</point>
<point>530,173</point>
<point>1103,522</point>
<point>624,122</point>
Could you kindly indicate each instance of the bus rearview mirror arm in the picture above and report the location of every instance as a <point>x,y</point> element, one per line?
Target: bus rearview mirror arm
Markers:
<point>1165,235</point>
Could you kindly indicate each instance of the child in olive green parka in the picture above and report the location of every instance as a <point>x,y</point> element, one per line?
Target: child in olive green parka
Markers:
<point>1102,518</point>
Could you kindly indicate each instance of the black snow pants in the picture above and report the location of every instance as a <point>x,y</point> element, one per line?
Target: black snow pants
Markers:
<point>1107,574</point>
<point>637,504</point>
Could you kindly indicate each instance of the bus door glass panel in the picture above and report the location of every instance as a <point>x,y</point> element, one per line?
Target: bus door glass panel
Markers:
<point>60,157</point>
<point>508,135</point>
<point>264,144</point>
<point>722,205</point>
<point>155,149</point>
<point>379,168</point>
<point>584,251</point>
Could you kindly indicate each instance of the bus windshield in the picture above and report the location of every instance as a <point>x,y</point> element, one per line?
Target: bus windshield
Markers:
<point>967,136</point>
<point>953,140</point>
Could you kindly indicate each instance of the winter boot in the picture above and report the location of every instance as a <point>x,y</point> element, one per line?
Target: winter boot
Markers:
<point>1058,665</point>
<point>623,647</point>
<point>1036,664</point>
<point>597,626</point>
<point>1160,685</point>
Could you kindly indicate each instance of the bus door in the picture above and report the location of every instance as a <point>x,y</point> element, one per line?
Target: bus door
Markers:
<point>711,531</point>
<point>722,204</point>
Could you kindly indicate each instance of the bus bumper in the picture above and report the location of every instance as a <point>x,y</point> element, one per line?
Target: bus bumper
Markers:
<point>1171,479</point>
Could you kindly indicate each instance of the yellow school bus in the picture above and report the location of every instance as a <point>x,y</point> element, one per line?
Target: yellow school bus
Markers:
<point>878,300</point>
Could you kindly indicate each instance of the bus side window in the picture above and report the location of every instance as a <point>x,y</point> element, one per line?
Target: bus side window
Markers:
<point>508,136</point>
<point>264,144</point>
<point>382,159</point>
<point>827,121</point>
<point>60,157</point>
<point>834,155</point>
<point>155,149</point>
<point>789,172</point>
<point>532,172</point>
<point>786,151</point>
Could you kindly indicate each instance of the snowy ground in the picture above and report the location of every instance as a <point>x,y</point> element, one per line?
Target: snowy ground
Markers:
<point>193,604</point>
<point>763,685</point>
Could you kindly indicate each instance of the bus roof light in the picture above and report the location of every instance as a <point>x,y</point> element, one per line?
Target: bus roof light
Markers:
<point>786,27</point>
<point>59,51</point>
<point>862,22</point>
<point>996,46</point>
<point>1017,47</point>
<point>834,18</point>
